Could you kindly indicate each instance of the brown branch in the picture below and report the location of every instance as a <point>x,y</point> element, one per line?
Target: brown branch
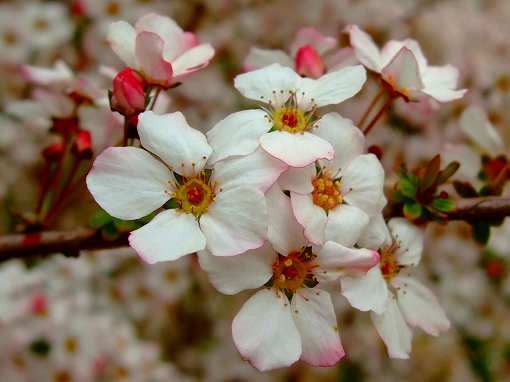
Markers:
<point>473,209</point>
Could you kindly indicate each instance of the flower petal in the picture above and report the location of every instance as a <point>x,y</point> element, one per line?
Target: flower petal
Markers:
<point>270,84</point>
<point>128,183</point>
<point>228,274</point>
<point>347,140</point>
<point>311,36</point>
<point>362,183</point>
<point>167,29</point>
<point>121,37</point>
<point>257,170</point>
<point>264,331</point>
<point>475,124</point>
<point>59,74</point>
<point>284,232</point>
<point>258,58</point>
<point>298,179</point>
<point>376,234</point>
<point>365,49</point>
<point>238,134</point>
<point>235,222</point>
<point>440,82</point>
<point>393,330</point>
<point>312,217</point>
<point>409,239</point>
<point>366,292</point>
<point>403,73</point>
<point>169,236</point>
<point>345,224</point>
<point>419,306</point>
<point>170,137</point>
<point>315,319</point>
<point>193,59</point>
<point>297,150</point>
<point>150,61</point>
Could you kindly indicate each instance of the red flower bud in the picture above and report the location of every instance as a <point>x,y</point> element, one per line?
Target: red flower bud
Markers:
<point>308,62</point>
<point>83,144</point>
<point>128,96</point>
<point>54,152</point>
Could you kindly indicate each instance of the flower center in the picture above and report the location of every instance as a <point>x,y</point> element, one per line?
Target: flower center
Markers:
<point>387,262</point>
<point>326,192</point>
<point>292,271</point>
<point>289,119</point>
<point>194,195</point>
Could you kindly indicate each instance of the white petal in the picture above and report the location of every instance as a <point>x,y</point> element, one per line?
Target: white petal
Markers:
<point>347,140</point>
<point>403,73</point>
<point>312,217</point>
<point>284,231</point>
<point>264,331</point>
<point>315,319</point>
<point>470,161</point>
<point>270,84</point>
<point>169,236</point>
<point>149,59</point>
<point>365,49</point>
<point>121,37</point>
<point>440,82</point>
<point>233,274</point>
<point>390,50</point>
<point>128,183</point>
<point>393,330</point>
<point>298,179</point>
<point>366,292</point>
<point>170,137</point>
<point>336,260</point>
<point>419,306</point>
<point>346,224</point>
<point>58,75</point>
<point>238,134</point>
<point>332,88</point>
<point>475,124</point>
<point>258,58</point>
<point>297,150</point>
<point>193,59</point>
<point>409,239</point>
<point>258,170</point>
<point>362,183</point>
<point>376,234</point>
<point>235,222</point>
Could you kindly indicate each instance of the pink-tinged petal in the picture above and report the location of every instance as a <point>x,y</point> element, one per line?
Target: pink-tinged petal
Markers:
<point>284,232</point>
<point>419,306</point>
<point>60,74</point>
<point>332,88</point>
<point>257,170</point>
<point>298,179</point>
<point>150,61</point>
<point>366,292</point>
<point>122,37</point>
<point>128,182</point>
<point>362,183</point>
<point>103,125</point>
<point>170,137</point>
<point>312,217</point>
<point>175,40</point>
<point>347,140</point>
<point>409,239</point>
<point>389,51</point>
<point>335,260</point>
<point>475,124</point>
<point>297,150</point>
<point>440,83</point>
<point>238,134</point>
<point>56,104</point>
<point>228,274</point>
<point>193,59</point>
<point>308,62</point>
<point>315,319</point>
<point>264,331</point>
<point>345,224</point>
<point>376,234</point>
<point>169,236</point>
<point>235,222</point>
<point>403,74</point>
<point>270,84</point>
<point>393,330</point>
<point>414,47</point>
<point>258,58</point>
<point>311,36</point>
<point>365,49</point>
<point>341,58</point>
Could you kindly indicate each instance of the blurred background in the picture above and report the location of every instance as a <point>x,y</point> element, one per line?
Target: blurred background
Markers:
<point>107,316</point>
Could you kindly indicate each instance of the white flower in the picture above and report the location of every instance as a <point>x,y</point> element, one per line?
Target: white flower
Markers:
<point>475,124</point>
<point>270,331</point>
<point>404,68</point>
<point>158,48</point>
<point>338,196</point>
<point>397,301</point>
<point>284,126</point>
<point>223,210</point>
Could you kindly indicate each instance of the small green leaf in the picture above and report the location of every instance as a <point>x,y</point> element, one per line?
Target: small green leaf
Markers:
<point>465,189</point>
<point>397,197</point>
<point>99,219</point>
<point>447,172</point>
<point>481,232</point>
<point>443,205</point>
<point>431,173</point>
<point>407,188</point>
<point>412,211</point>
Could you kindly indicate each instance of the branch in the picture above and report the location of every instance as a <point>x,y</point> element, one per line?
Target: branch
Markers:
<point>69,243</point>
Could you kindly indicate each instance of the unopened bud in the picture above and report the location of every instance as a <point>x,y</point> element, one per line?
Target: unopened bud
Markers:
<point>83,144</point>
<point>128,96</point>
<point>54,152</point>
<point>308,62</point>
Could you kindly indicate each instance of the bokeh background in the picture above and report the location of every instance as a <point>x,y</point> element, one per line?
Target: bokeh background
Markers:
<point>107,316</point>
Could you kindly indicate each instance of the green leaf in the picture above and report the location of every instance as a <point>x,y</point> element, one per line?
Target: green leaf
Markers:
<point>443,205</point>
<point>407,188</point>
<point>412,211</point>
<point>481,232</point>
<point>99,219</point>
<point>447,172</point>
<point>465,189</point>
<point>397,197</point>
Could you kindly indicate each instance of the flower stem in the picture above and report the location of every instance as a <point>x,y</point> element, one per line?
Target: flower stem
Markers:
<point>378,116</point>
<point>370,108</point>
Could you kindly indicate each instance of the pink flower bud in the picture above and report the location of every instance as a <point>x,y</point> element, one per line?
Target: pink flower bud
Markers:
<point>54,152</point>
<point>308,62</point>
<point>38,304</point>
<point>83,144</point>
<point>128,96</point>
